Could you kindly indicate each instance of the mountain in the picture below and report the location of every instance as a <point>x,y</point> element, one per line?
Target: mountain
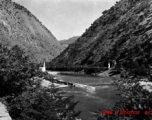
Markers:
<point>18,26</point>
<point>123,33</point>
<point>66,43</point>
<point>70,40</point>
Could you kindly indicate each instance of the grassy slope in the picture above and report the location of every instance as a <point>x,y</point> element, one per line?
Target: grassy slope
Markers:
<point>19,26</point>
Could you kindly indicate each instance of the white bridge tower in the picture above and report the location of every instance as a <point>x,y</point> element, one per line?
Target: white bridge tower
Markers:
<point>43,69</point>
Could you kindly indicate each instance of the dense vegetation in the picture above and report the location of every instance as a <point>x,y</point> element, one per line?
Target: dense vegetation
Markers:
<point>122,32</point>
<point>135,65</point>
<point>133,98</point>
<point>21,90</point>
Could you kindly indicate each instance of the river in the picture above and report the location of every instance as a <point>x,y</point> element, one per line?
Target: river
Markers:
<point>93,92</point>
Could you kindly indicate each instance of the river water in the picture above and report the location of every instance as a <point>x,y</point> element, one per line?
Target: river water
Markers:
<point>93,92</point>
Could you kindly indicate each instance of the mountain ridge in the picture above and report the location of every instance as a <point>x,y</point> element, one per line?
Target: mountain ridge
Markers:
<point>20,27</point>
<point>123,28</point>
<point>66,43</point>
<point>70,40</point>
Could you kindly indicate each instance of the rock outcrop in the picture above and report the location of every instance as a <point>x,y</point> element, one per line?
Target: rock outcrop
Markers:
<point>4,115</point>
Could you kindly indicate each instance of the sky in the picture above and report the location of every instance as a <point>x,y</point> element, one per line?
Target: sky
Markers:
<point>67,18</point>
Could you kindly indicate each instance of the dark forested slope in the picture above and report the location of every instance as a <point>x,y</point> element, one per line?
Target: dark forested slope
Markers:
<point>18,26</point>
<point>123,33</point>
<point>66,43</point>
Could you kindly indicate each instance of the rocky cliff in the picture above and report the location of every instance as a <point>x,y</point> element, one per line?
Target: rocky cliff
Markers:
<point>123,32</point>
<point>18,26</point>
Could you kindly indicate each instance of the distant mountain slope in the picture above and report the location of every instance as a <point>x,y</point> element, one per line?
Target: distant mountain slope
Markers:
<point>66,43</point>
<point>70,40</point>
<point>19,26</point>
<point>122,32</point>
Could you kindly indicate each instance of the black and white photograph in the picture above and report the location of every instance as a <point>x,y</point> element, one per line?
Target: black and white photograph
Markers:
<point>75,59</point>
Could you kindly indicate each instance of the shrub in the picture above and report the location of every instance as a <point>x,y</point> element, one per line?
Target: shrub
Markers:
<point>132,98</point>
<point>15,71</point>
<point>43,104</point>
<point>25,97</point>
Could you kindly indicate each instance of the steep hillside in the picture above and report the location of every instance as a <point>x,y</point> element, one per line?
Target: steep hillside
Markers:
<point>66,43</point>
<point>70,40</point>
<point>123,32</point>
<point>19,26</point>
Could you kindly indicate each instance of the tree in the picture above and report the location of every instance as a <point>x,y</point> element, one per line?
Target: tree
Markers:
<point>39,103</point>
<point>21,88</point>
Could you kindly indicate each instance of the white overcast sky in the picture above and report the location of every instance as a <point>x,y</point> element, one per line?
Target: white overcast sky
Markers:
<point>67,18</point>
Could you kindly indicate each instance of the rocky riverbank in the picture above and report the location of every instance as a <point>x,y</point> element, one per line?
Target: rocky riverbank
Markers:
<point>105,73</point>
<point>4,115</point>
<point>55,82</point>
